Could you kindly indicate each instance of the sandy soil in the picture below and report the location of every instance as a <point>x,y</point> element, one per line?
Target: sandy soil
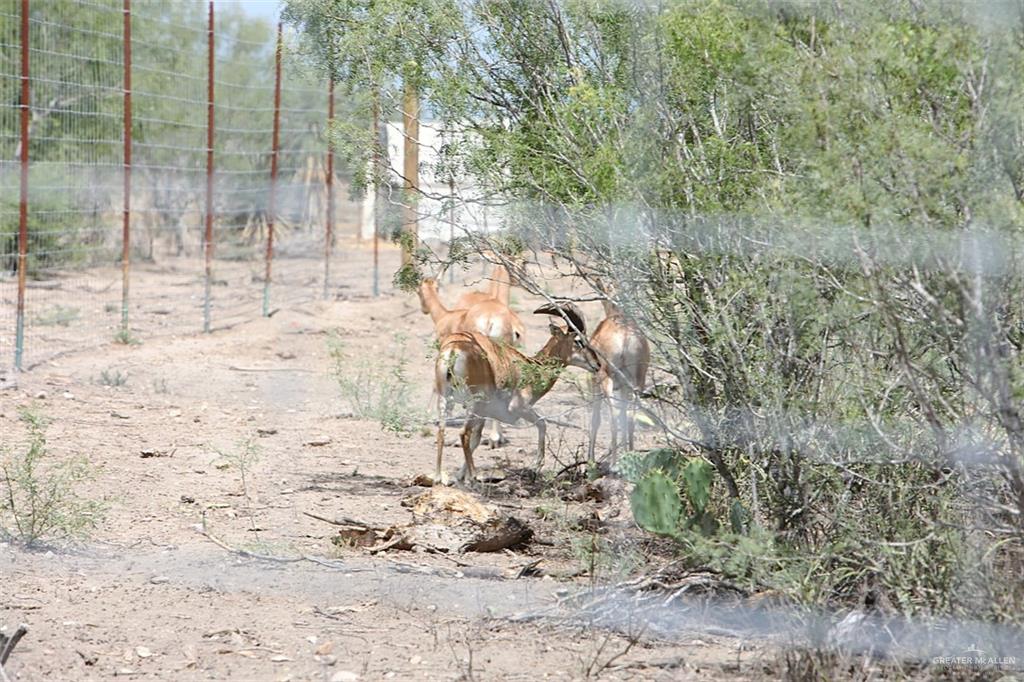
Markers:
<point>151,597</point>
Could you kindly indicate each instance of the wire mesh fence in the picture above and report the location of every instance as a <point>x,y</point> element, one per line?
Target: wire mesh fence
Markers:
<point>193,77</point>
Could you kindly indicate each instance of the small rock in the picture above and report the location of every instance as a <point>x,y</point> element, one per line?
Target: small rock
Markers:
<point>589,522</point>
<point>188,499</point>
<point>68,395</point>
<point>415,660</point>
<point>423,481</point>
<point>280,659</point>
<point>263,433</point>
<point>325,648</point>
<point>318,442</point>
<point>344,676</point>
<point>159,580</point>
<point>41,395</point>
<point>143,652</point>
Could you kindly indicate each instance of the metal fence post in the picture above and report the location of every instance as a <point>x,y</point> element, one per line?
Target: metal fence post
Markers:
<point>329,231</point>
<point>126,228</point>
<point>19,333</point>
<point>272,200</point>
<point>208,233</point>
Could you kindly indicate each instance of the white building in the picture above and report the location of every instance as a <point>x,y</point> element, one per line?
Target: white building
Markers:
<point>435,216</point>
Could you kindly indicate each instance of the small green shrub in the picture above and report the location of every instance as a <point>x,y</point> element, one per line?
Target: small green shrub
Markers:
<point>38,497</point>
<point>56,316</point>
<point>599,556</point>
<point>112,377</point>
<point>125,337</point>
<point>244,458</point>
<point>377,388</point>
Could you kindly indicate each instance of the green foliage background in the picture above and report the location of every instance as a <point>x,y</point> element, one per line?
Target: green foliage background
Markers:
<point>813,211</point>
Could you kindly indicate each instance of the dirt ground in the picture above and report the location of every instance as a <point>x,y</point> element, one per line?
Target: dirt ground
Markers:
<point>150,596</point>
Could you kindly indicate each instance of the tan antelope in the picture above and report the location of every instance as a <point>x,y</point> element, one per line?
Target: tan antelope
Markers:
<point>499,382</point>
<point>497,290</point>
<point>488,316</point>
<point>619,357</point>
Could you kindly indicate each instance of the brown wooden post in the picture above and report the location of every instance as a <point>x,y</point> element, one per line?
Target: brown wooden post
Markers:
<point>208,232</point>
<point>411,157</point>
<point>451,225</point>
<point>274,149</point>
<point>329,228</point>
<point>19,334</point>
<point>126,227</point>
<point>377,163</point>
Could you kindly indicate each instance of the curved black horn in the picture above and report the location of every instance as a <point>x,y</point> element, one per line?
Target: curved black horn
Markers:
<point>567,311</point>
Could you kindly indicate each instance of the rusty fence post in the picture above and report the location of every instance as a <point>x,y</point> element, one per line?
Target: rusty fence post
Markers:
<point>208,232</point>
<point>274,150</point>
<point>19,333</point>
<point>329,228</point>
<point>126,227</point>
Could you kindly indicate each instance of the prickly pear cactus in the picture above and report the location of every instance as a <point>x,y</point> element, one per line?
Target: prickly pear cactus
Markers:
<point>656,504</point>
<point>697,477</point>
<point>633,466</point>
